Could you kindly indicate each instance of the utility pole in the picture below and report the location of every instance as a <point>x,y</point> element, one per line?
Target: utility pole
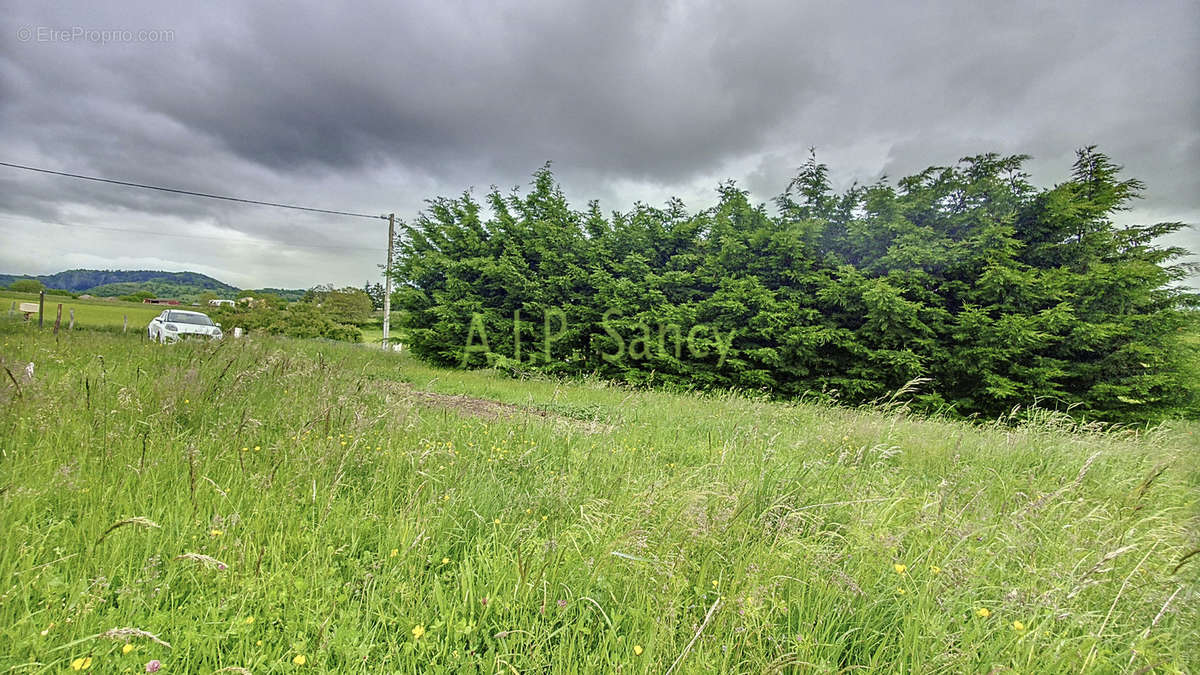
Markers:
<point>387,281</point>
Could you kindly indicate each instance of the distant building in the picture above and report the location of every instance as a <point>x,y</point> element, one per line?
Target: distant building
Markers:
<point>160,301</point>
<point>222,303</point>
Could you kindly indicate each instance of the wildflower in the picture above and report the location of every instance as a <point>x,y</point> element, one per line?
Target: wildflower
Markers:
<point>81,663</point>
<point>637,650</point>
<point>900,568</point>
<point>562,604</point>
<point>300,659</point>
<point>245,449</point>
<point>445,560</point>
<point>983,611</point>
<point>127,648</point>
<point>216,533</point>
<point>715,583</point>
<point>395,552</point>
<point>496,521</point>
<point>257,448</point>
<point>152,666</point>
<point>543,518</point>
<point>935,569</point>
<point>1018,626</point>
<point>900,591</point>
<point>47,631</point>
<point>258,643</point>
<point>417,631</point>
<point>249,620</point>
<point>186,401</point>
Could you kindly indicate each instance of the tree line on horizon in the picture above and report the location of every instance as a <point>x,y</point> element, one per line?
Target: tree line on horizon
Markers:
<point>989,291</point>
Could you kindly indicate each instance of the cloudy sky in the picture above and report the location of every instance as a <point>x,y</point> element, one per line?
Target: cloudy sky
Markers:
<point>376,106</point>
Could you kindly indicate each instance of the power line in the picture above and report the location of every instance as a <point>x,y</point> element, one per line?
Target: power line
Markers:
<point>194,194</point>
<point>220,239</point>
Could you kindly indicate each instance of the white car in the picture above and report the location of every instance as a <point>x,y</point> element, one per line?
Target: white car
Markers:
<point>174,324</point>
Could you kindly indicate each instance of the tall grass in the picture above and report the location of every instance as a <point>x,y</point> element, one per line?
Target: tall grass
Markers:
<point>280,506</point>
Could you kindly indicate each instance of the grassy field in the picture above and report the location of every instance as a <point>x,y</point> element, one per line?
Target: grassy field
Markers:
<point>88,313</point>
<point>283,506</point>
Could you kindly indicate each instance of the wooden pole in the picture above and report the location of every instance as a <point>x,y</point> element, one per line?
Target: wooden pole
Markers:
<point>58,318</point>
<point>41,307</point>
<point>71,326</point>
<point>125,324</point>
<point>387,281</point>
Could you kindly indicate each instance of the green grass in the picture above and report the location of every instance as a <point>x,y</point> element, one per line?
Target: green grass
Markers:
<point>89,313</point>
<point>350,501</point>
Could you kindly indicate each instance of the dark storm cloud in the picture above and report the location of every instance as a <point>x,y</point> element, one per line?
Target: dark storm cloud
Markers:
<point>376,106</point>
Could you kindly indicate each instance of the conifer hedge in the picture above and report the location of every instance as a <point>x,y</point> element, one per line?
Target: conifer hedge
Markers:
<point>997,293</point>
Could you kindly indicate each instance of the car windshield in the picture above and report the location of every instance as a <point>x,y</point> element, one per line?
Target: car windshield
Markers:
<point>189,317</point>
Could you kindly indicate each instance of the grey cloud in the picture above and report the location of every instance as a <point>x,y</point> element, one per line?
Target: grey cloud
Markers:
<point>376,106</point>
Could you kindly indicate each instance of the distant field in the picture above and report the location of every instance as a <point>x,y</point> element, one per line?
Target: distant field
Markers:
<point>88,313</point>
<point>287,506</point>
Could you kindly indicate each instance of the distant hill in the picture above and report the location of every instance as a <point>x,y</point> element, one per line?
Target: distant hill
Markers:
<point>182,285</point>
<point>80,281</point>
<point>289,294</point>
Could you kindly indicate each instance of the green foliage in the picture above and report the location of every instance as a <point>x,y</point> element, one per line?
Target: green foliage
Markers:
<point>297,320</point>
<point>376,292</point>
<point>27,286</point>
<point>138,296</point>
<point>998,294</point>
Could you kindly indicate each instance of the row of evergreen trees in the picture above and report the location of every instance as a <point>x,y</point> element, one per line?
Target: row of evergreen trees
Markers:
<point>997,293</point>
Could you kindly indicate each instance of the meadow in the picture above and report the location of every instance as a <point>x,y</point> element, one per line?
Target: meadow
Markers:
<point>89,313</point>
<point>271,505</point>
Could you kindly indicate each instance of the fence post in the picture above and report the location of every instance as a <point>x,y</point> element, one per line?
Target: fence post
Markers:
<point>58,318</point>
<point>41,307</point>
<point>71,326</point>
<point>125,324</point>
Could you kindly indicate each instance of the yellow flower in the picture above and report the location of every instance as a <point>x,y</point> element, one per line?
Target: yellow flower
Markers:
<point>983,611</point>
<point>445,560</point>
<point>257,448</point>
<point>543,517</point>
<point>258,643</point>
<point>1018,626</point>
<point>637,649</point>
<point>395,552</point>
<point>245,449</point>
<point>186,401</point>
<point>81,663</point>
<point>249,620</point>
<point>417,631</point>
<point>496,521</point>
<point>715,583</point>
<point>216,533</point>
<point>899,568</point>
<point>299,660</point>
<point>935,569</point>
<point>900,591</point>
<point>127,648</point>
